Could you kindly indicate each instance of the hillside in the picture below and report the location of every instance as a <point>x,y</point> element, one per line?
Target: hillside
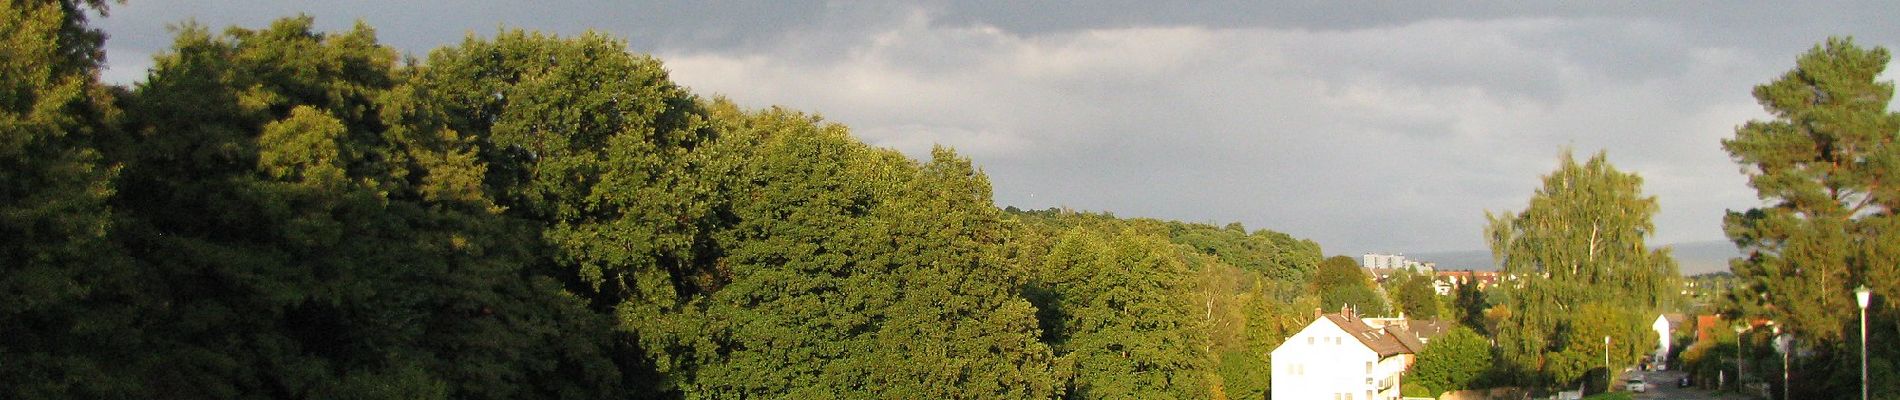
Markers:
<point>1692,258</point>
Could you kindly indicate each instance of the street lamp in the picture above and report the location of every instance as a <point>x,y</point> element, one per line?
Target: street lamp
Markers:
<point>1609,377</point>
<point>1785,345</point>
<point>1741,355</point>
<point>1862,295</point>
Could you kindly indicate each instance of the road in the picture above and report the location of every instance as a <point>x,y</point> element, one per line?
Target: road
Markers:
<point>1662,385</point>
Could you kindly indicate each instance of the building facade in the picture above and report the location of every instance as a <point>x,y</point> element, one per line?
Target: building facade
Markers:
<point>1382,266</point>
<point>1340,357</point>
<point>1447,282</point>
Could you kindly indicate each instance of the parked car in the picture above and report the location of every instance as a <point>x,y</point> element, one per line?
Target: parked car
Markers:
<point>1683,382</point>
<point>1636,385</point>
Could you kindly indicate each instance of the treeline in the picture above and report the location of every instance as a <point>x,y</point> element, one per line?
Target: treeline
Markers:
<point>1140,308</point>
<point>287,213</point>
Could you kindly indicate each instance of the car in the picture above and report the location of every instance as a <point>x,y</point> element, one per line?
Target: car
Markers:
<point>1684,382</point>
<point>1636,385</point>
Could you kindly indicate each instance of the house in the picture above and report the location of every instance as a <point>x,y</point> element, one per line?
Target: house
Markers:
<point>1340,356</point>
<point>1446,282</point>
<point>1661,327</point>
<point>1422,329</point>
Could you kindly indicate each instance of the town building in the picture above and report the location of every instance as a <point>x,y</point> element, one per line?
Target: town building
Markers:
<point>1382,266</point>
<point>1423,329</point>
<point>1340,356</point>
<point>1664,328</point>
<point>1447,282</point>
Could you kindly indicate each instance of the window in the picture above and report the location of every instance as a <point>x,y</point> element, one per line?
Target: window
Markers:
<point>1368,367</point>
<point>1309,340</point>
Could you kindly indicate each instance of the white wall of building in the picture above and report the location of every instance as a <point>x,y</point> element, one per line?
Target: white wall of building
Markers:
<point>1661,326</point>
<point>1323,362</point>
<point>1384,261</point>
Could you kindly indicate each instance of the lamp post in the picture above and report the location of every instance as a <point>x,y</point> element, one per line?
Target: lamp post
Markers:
<point>1741,356</point>
<point>1609,377</point>
<point>1786,345</point>
<point>1862,295</point>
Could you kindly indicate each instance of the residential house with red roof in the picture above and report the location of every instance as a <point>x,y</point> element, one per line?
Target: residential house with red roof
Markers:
<point>1339,356</point>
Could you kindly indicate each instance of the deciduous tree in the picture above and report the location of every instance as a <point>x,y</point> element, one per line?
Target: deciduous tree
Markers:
<point>1580,243</point>
<point>1454,360</point>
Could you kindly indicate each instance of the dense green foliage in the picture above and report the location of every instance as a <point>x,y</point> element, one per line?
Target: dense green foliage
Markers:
<point>1411,294</point>
<point>288,213</point>
<point>1579,272</point>
<point>59,279</point>
<point>1341,283</point>
<point>285,213</point>
<point>1824,163</point>
<point>1453,361</point>
<point>304,235</point>
<point>1151,309</point>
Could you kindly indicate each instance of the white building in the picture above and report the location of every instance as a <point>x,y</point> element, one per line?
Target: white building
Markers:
<point>1340,357</point>
<point>1382,265</point>
<point>1384,261</point>
<point>1661,326</point>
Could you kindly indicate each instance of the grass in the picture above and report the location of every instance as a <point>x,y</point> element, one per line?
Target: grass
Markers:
<point>1609,396</point>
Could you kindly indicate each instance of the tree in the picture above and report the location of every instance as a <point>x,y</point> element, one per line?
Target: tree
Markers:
<point>1453,361</point>
<point>1470,303</point>
<point>304,226</point>
<point>850,271</point>
<point>1824,163</point>
<point>1415,296</point>
<point>603,157</point>
<point>1579,243</point>
<point>1276,255</point>
<point>1341,282</point>
<point>62,282</point>
<point>1126,328</point>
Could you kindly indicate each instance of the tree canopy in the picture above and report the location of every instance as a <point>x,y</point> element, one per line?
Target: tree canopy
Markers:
<point>1823,164</point>
<point>1341,282</point>
<point>283,212</point>
<point>1578,269</point>
<point>1455,360</point>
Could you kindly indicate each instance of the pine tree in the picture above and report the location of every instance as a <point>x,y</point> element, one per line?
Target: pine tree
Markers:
<point>1823,163</point>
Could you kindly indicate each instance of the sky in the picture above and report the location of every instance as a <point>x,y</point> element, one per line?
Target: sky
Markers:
<point>1369,127</point>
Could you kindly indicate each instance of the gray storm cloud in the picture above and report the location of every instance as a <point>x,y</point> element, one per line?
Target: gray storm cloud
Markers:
<point>1389,129</point>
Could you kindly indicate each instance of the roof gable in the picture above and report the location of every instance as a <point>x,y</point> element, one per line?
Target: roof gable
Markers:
<point>1385,342</point>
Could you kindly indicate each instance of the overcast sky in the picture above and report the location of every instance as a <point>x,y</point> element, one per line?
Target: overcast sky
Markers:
<point>1386,126</point>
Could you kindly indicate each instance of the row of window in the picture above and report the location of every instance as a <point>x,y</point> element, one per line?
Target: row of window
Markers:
<point>1297,369</point>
